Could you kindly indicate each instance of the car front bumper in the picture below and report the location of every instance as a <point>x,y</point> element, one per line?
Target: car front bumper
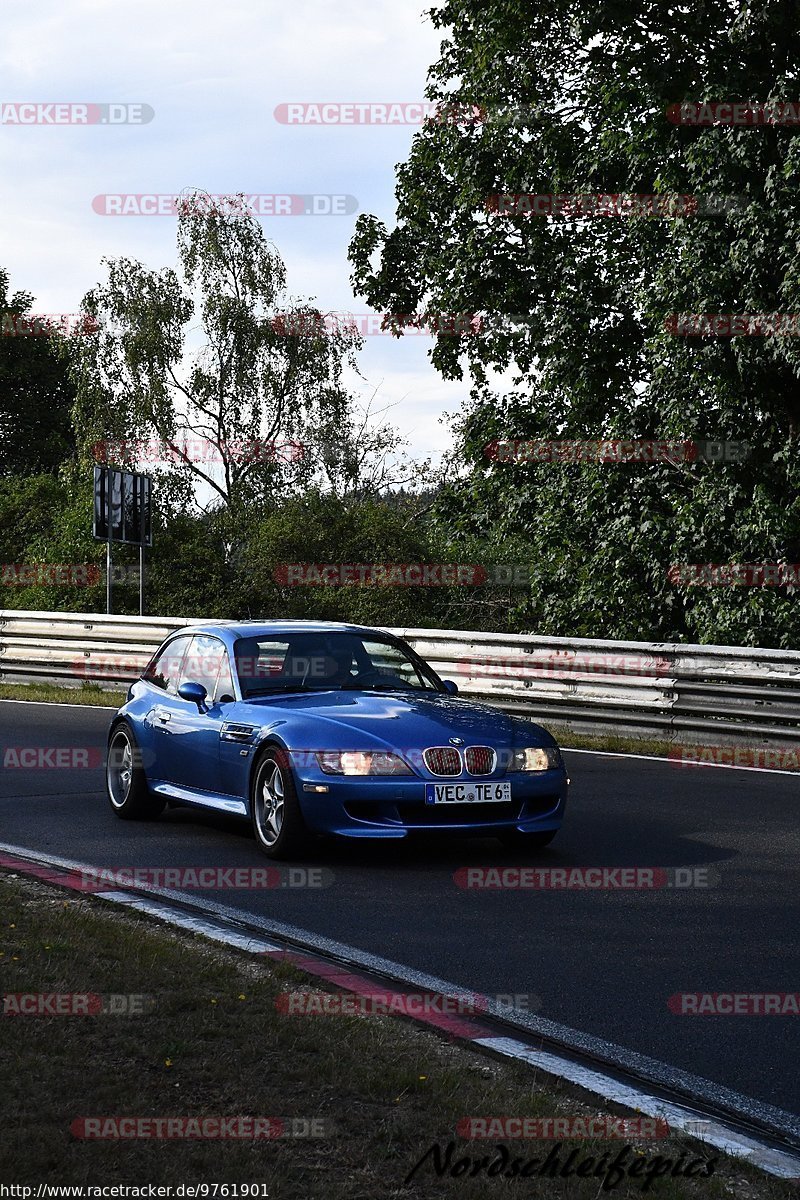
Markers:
<point>393,807</point>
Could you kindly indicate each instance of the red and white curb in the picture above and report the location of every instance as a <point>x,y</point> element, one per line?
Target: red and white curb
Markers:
<point>470,1030</point>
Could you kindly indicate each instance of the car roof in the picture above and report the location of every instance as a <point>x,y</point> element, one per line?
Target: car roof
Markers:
<point>237,629</point>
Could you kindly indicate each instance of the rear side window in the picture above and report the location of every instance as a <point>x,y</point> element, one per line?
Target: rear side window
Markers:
<point>165,669</point>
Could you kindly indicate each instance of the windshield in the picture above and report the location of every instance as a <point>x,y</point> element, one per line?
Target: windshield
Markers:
<point>327,661</point>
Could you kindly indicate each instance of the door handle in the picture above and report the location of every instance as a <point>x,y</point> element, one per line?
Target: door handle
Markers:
<point>164,717</point>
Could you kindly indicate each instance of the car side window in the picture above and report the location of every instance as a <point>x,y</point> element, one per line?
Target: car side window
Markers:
<point>207,663</point>
<point>165,670</point>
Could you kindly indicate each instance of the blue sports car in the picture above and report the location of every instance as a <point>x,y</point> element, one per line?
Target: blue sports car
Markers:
<point>321,728</point>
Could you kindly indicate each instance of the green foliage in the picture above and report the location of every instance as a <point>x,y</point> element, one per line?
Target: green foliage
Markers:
<point>46,521</point>
<point>318,528</point>
<point>227,563</point>
<point>576,310</point>
<point>36,395</point>
<point>29,504</point>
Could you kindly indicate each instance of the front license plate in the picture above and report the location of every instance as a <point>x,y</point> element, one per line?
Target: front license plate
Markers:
<point>467,793</point>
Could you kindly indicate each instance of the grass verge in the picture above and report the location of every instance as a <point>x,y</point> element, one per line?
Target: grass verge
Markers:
<point>616,743</point>
<point>214,1044</point>
<point>53,693</point>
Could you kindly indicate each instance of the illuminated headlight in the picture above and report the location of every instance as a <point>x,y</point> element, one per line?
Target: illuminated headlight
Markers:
<point>362,762</point>
<point>536,758</point>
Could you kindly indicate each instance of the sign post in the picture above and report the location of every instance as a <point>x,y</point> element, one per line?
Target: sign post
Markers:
<point>123,512</point>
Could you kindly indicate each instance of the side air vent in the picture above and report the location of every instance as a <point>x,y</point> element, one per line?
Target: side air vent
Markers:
<point>231,732</point>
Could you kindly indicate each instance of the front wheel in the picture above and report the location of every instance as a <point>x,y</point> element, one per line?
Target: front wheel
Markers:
<point>126,785</point>
<point>277,820</point>
<point>515,839</point>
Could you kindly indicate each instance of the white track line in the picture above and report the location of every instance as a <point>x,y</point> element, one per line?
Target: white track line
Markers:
<point>707,1130</point>
<point>674,762</point>
<point>194,924</point>
<point>693,1123</point>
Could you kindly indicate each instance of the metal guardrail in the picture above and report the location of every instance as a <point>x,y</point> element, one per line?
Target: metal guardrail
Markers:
<point>74,647</point>
<point>725,693</point>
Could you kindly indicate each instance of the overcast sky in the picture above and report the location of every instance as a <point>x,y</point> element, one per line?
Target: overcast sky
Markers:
<point>213,73</point>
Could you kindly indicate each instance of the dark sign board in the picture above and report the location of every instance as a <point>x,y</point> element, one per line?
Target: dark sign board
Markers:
<point>122,507</point>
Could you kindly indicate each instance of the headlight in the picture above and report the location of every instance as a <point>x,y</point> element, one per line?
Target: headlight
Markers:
<point>362,762</point>
<point>536,758</point>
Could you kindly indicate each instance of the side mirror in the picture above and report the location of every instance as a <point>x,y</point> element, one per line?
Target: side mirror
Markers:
<point>195,693</point>
<point>450,687</point>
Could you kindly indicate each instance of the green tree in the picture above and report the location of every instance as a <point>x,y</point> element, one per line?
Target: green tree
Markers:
<point>213,350</point>
<point>323,528</point>
<point>36,395</point>
<point>45,522</point>
<point>576,340</point>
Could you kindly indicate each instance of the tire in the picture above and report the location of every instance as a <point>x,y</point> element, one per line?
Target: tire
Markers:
<point>516,840</point>
<point>126,783</point>
<point>278,824</point>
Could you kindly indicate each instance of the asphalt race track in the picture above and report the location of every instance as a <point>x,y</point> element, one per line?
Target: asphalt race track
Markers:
<point>603,962</point>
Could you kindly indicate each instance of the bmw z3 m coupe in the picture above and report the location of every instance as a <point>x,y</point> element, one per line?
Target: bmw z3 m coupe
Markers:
<point>320,728</point>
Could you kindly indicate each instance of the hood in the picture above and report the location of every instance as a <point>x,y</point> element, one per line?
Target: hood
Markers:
<point>343,720</point>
